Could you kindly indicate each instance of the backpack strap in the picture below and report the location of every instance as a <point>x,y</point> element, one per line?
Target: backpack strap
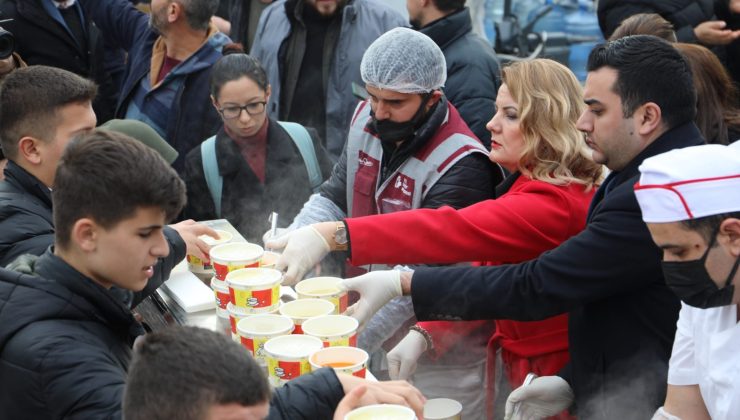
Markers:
<point>303,142</point>
<point>214,180</point>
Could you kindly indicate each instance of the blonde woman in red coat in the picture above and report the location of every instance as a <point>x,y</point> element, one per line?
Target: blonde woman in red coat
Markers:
<point>539,206</point>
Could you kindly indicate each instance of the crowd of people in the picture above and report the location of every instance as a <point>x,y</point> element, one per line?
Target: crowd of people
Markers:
<point>497,222</point>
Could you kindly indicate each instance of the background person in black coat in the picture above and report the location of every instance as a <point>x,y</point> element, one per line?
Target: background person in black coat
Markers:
<point>622,317</point>
<point>473,73</point>
<point>262,169</point>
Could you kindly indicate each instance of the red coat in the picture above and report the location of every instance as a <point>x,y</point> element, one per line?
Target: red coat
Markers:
<point>529,219</point>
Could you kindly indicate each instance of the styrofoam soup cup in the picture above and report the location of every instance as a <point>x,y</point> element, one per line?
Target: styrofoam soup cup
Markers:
<point>221,293</point>
<point>333,330</point>
<point>255,289</point>
<point>302,309</point>
<point>287,357</point>
<point>342,359</point>
<point>324,288</point>
<point>254,331</point>
<point>233,256</point>
<point>381,411</point>
<point>236,314</point>
<point>269,259</point>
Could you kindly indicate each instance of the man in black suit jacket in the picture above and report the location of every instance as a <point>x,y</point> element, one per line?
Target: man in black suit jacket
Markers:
<point>608,278</point>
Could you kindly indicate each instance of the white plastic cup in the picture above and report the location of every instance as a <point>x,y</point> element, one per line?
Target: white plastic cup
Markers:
<point>442,409</point>
<point>233,256</point>
<point>381,411</point>
<point>333,330</point>
<point>287,357</point>
<point>302,309</point>
<point>197,265</point>
<point>256,330</point>
<point>255,289</point>
<point>221,293</point>
<point>349,360</point>
<point>324,288</point>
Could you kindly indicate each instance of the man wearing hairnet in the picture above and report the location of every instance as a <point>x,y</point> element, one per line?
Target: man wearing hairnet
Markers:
<point>407,148</point>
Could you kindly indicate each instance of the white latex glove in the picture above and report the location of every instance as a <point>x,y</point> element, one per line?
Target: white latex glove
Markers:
<point>546,396</point>
<point>278,233</point>
<point>376,288</point>
<point>303,249</point>
<point>402,359</point>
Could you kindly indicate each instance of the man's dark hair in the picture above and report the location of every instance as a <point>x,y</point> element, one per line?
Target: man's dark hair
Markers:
<point>199,12</point>
<point>645,24</point>
<point>649,69</point>
<point>708,226</point>
<point>108,176</point>
<point>449,5</point>
<point>30,98</point>
<point>233,66</point>
<point>180,372</point>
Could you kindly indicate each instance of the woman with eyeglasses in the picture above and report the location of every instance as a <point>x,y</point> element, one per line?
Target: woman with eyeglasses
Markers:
<point>257,164</point>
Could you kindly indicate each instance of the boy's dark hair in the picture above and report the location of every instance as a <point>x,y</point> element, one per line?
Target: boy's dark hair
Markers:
<point>449,5</point>
<point>649,69</point>
<point>708,226</point>
<point>107,176</point>
<point>180,372</point>
<point>233,66</point>
<point>30,98</point>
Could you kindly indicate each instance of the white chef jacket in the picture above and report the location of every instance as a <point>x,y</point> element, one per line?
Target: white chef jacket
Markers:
<point>707,352</point>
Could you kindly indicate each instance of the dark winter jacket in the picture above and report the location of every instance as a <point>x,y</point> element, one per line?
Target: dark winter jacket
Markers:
<point>40,39</point>
<point>622,316</point>
<point>683,14</point>
<point>191,118</point>
<point>26,222</point>
<point>246,202</point>
<point>470,180</point>
<point>473,73</point>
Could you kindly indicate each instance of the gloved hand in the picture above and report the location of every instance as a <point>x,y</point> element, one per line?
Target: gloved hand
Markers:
<point>376,288</point>
<point>278,233</point>
<point>304,248</point>
<point>545,396</point>
<point>402,359</point>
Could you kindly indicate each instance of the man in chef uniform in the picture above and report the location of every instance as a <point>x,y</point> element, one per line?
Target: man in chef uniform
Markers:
<point>690,200</point>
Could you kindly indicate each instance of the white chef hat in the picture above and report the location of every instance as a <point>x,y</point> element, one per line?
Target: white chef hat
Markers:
<point>690,183</point>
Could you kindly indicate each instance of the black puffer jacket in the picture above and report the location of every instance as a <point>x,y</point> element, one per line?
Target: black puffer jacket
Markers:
<point>26,223</point>
<point>66,342</point>
<point>470,180</point>
<point>683,14</point>
<point>473,73</point>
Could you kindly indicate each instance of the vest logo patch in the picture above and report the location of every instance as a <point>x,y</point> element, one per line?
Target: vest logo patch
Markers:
<point>402,183</point>
<point>365,161</point>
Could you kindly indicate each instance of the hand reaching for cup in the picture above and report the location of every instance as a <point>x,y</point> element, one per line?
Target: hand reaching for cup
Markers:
<point>190,231</point>
<point>384,392</point>
<point>402,359</point>
<point>302,250</point>
<point>376,288</point>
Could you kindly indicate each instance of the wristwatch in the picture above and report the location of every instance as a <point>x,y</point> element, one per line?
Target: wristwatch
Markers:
<point>340,237</point>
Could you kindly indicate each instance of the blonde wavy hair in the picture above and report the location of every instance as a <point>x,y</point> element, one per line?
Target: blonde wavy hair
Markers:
<point>550,101</point>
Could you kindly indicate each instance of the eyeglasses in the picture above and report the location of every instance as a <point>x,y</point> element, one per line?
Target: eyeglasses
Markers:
<point>230,112</point>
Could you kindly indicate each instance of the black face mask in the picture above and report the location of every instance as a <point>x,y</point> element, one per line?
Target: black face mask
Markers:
<point>691,282</point>
<point>391,132</point>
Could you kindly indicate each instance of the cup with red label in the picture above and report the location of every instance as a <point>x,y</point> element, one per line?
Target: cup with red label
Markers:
<point>269,259</point>
<point>197,265</point>
<point>302,309</point>
<point>333,330</point>
<point>221,293</point>
<point>255,289</point>
<point>256,330</point>
<point>236,314</point>
<point>324,288</point>
<point>233,256</point>
<point>349,360</point>
<point>287,357</point>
